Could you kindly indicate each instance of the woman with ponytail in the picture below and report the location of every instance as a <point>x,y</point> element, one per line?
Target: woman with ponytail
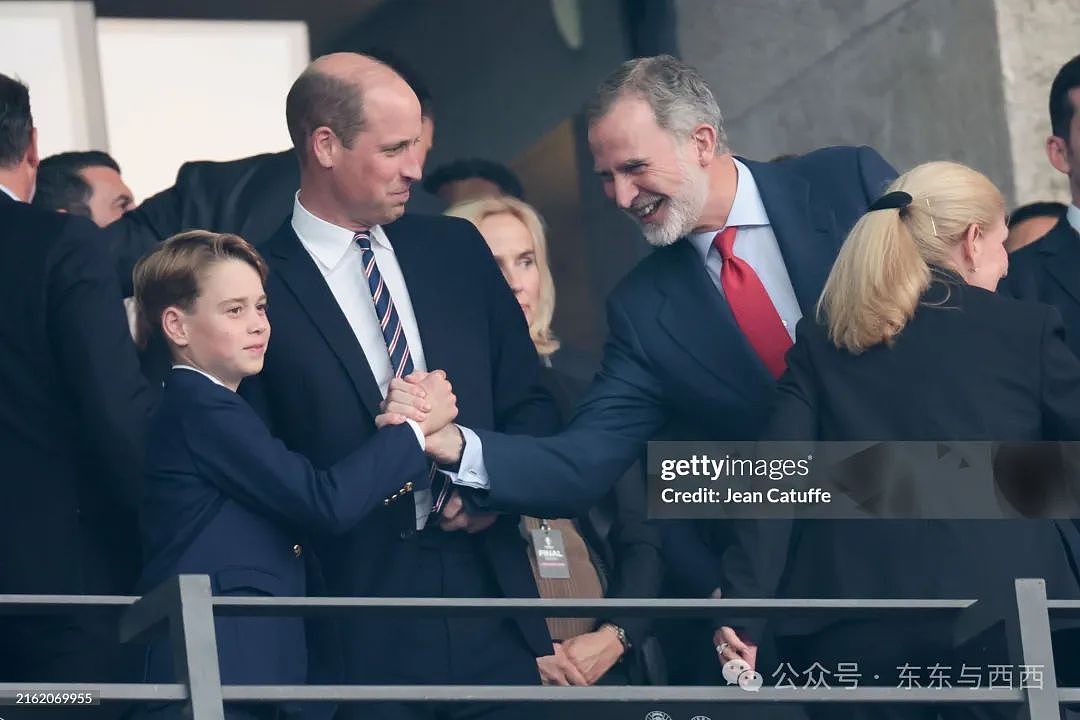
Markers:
<point>911,343</point>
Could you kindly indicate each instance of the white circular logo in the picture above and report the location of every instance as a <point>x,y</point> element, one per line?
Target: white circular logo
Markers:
<point>750,681</point>
<point>733,669</point>
<point>658,715</point>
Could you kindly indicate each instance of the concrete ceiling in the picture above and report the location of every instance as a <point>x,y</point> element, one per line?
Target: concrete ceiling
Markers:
<point>328,20</point>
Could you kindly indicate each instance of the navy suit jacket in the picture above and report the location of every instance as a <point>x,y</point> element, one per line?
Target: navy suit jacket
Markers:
<point>676,365</point>
<point>73,407</point>
<point>1048,271</point>
<point>226,498</point>
<point>321,397</point>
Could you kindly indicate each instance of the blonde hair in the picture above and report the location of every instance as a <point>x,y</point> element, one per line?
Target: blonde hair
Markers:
<point>475,211</point>
<point>169,275</point>
<point>884,266</point>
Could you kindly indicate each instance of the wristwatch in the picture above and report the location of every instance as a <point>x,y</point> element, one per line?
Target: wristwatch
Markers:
<point>621,634</point>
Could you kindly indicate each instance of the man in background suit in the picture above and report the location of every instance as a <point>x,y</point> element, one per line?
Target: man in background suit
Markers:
<point>1032,222</point>
<point>337,267</point>
<point>72,407</point>
<point>86,183</point>
<point>698,329</point>
<point>249,197</point>
<point>1048,270</point>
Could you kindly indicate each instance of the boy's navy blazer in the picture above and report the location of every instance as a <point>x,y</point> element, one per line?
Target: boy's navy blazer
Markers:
<point>224,497</point>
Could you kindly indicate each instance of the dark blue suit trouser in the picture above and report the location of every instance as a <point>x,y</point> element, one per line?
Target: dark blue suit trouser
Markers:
<point>440,650</point>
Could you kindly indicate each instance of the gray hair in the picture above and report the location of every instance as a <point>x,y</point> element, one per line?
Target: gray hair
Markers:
<point>678,95</point>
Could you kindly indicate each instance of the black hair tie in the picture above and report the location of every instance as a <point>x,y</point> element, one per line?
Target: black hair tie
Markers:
<point>895,200</point>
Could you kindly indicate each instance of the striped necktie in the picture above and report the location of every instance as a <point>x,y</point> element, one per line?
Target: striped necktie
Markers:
<point>400,360</point>
<point>396,345</point>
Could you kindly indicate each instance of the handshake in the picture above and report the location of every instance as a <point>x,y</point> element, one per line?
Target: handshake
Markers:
<point>428,399</point>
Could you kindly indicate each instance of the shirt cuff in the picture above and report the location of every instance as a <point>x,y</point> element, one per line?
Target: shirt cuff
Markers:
<point>471,471</point>
<point>419,433</point>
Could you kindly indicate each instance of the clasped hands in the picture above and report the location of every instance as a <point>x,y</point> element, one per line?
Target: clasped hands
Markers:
<point>581,660</point>
<point>428,399</point>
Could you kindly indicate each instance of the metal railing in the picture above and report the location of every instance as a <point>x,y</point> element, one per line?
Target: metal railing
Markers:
<point>186,605</point>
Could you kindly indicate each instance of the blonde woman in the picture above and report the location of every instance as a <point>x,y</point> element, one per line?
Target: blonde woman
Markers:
<point>623,559</point>
<point>912,343</point>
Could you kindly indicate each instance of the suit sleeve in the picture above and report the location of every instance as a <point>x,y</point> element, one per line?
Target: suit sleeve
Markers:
<point>564,475</point>
<point>233,449</point>
<point>93,348</point>
<point>875,172</point>
<point>138,231</point>
<point>639,569</point>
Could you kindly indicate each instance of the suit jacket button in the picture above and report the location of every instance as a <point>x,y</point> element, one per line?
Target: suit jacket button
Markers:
<point>297,550</point>
<point>386,501</point>
<point>408,487</point>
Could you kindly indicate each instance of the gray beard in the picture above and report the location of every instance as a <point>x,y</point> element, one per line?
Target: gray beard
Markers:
<point>683,212</point>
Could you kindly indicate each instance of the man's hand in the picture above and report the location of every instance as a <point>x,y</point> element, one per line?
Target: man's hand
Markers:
<point>594,653</point>
<point>445,445</point>
<point>558,670</point>
<point>454,517</point>
<point>730,646</point>
<point>427,398</point>
<point>386,419</point>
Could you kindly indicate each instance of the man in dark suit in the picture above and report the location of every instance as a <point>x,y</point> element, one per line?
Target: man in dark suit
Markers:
<point>698,330</point>
<point>72,406</point>
<point>1048,270</point>
<point>86,183</point>
<point>249,197</point>
<point>358,299</point>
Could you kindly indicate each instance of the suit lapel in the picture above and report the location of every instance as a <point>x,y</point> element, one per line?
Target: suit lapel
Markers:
<point>298,272</point>
<point>695,316</point>
<point>430,294</point>
<point>1062,245</point>
<point>805,233</point>
<point>807,238</point>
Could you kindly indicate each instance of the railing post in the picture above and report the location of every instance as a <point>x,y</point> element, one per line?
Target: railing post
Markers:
<point>194,642</point>
<point>187,603</point>
<point>1036,648</point>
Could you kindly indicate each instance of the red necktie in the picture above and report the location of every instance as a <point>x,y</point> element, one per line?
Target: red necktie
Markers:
<point>750,304</point>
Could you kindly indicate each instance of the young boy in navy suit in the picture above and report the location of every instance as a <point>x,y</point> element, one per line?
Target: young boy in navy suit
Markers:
<point>223,497</point>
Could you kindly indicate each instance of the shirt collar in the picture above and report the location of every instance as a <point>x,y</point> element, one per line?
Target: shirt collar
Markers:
<point>201,372</point>
<point>7,191</point>
<point>327,242</point>
<point>747,209</point>
<point>1073,216</point>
